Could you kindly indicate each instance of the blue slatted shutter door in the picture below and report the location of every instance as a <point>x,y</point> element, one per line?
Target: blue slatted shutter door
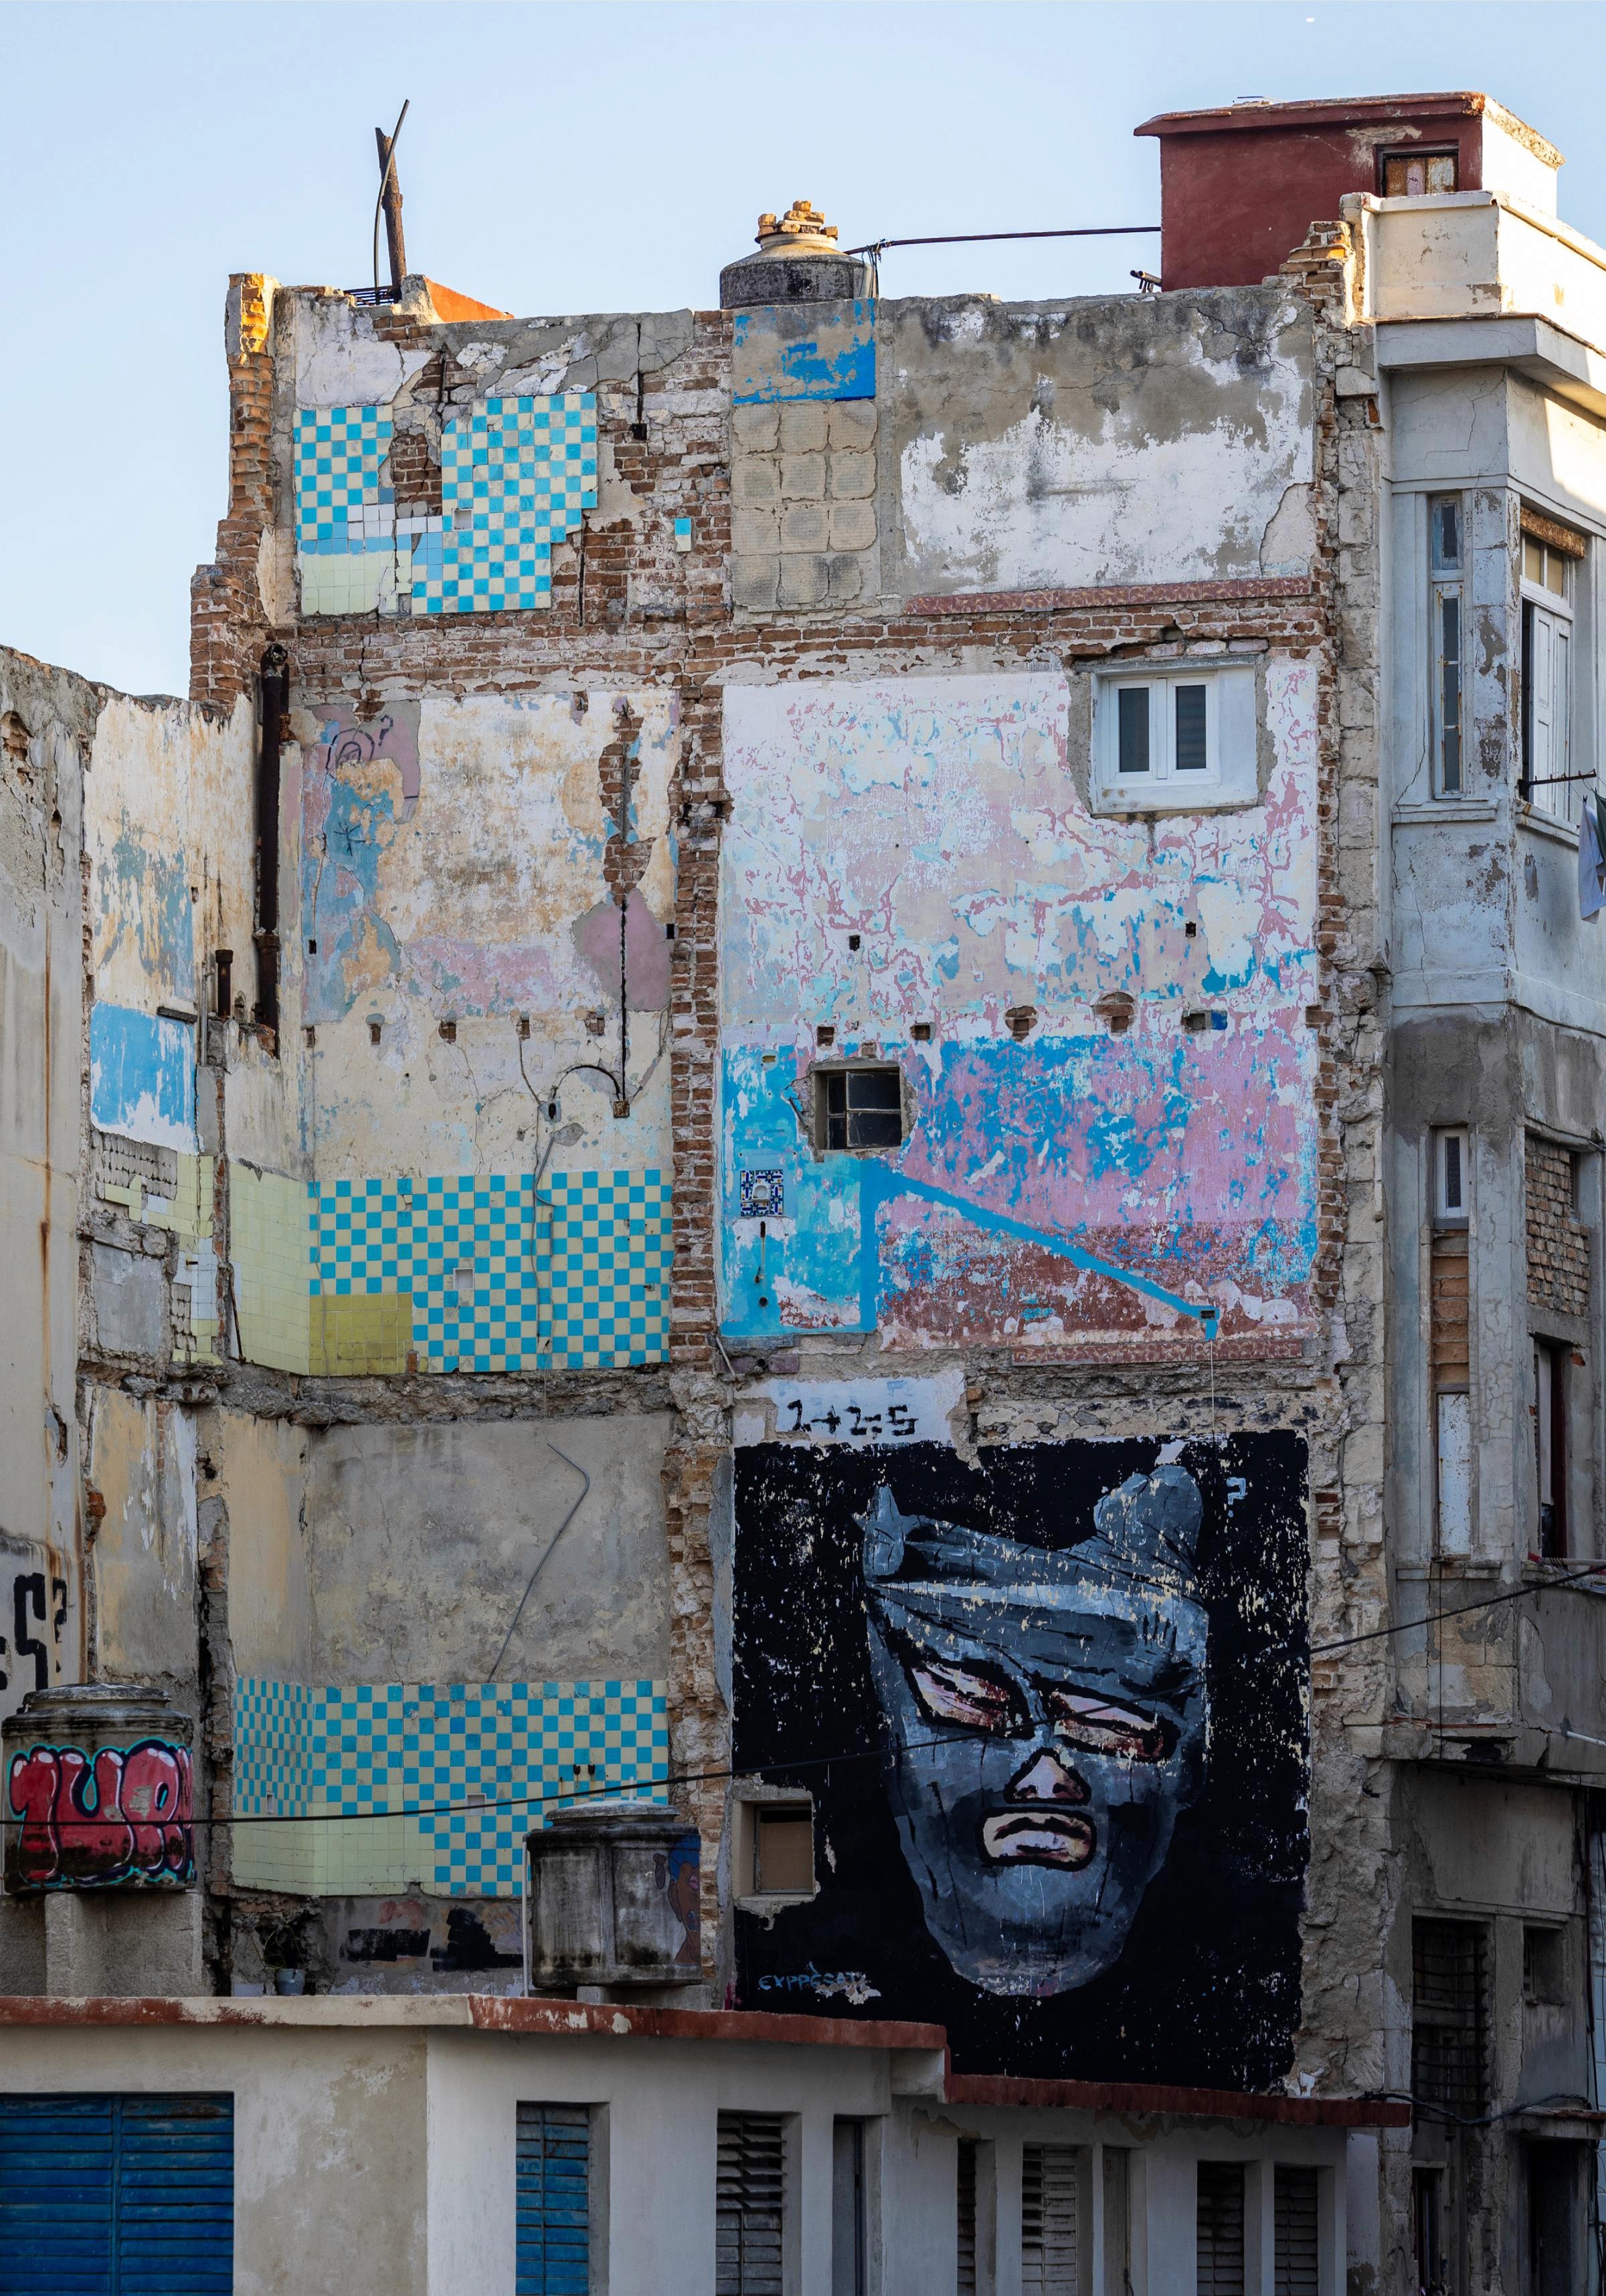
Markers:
<point>116,2195</point>
<point>176,2196</point>
<point>554,2228</point>
<point>57,2185</point>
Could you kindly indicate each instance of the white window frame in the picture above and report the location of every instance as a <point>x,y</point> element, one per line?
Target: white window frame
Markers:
<point>1229,775</point>
<point>1449,1165</point>
<point>1547,678</point>
<point>1447,587</point>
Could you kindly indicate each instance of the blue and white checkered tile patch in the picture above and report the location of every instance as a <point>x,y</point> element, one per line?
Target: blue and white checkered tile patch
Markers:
<point>433,1749</point>
<point>500,1279</point>
<point>515,476</point>
<point>342,507</point>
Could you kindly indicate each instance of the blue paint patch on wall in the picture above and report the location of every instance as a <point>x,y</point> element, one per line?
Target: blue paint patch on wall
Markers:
<point>142,1076</point>
<point>817,350</point>
<point>1170,1146</point>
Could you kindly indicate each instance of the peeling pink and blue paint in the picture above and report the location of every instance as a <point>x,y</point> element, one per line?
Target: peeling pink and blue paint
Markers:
<point>1075,1182</point>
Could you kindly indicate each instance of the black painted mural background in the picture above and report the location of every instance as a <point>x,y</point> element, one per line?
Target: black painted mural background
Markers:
<point>1205,1990</point>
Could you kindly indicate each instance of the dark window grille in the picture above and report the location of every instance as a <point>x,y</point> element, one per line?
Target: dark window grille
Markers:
<point>751,2204</point>
<point>861,1108</point>
<point>1221,2228</point>
<point>1448,2040</point>
<point>553,2216</point>
<point>1049,2250</point>
<point>1295,2255</point>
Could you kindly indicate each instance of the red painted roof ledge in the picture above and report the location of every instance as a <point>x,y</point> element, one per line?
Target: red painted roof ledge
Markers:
<point>503,2013</point>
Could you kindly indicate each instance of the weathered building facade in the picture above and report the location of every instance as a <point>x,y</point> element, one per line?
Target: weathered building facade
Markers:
<point>844,1071</point>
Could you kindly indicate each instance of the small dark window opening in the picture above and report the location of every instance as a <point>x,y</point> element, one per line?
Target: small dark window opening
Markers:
<point>860,1108</point>
<point>1551,1361</point>
<point>1544,1964</point>
<point>223,983</point>
<point>783,1851</point>
<point>1428,2224</point>
<point>1191,755</point>
<point>1418,175</point>
<point>1132,703</point>
<point>1449,2050</point>
<point>1556,2236</point>
<point>849,2227</point>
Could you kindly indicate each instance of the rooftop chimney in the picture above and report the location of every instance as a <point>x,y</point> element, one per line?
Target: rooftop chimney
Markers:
<point>798,261</point>
<point>1240,186</point>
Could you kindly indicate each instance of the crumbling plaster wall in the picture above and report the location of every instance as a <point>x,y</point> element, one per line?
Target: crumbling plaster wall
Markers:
<point>628,615</point>
<point>46,724</point>
<point>1041,445</point>
<point>422,1543</point>
<point>921,854</point>
<point>460,861</point>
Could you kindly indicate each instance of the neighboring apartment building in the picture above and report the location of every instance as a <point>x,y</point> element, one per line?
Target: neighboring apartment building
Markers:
<point>846,1068</point>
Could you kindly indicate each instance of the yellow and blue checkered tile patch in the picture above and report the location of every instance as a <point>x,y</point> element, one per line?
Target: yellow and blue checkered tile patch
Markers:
<point>352,1752</point>
<point>517,476</point>
<point>501,1279</point>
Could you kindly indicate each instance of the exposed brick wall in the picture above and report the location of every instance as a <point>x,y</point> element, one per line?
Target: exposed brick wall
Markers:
<point>1450,1334</point>
<point>226,611</point>
<point>1558,1244</point>
<point>630,609</point>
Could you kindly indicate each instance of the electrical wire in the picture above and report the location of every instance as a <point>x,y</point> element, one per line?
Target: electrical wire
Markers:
<point>876,248</point>
<point>1459,1610</point>
<point>801,1762</point>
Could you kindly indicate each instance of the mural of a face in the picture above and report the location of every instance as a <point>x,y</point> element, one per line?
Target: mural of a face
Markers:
<point>1047,1721</point>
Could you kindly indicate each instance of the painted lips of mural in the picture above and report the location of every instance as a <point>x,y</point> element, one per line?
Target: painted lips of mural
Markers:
<point>1038,1838</point>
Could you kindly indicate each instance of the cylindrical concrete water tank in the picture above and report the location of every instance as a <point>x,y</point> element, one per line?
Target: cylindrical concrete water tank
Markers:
<point>612,1898</point>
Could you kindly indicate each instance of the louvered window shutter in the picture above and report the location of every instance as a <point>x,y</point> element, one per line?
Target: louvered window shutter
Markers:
<point>751,2204</point>
<point>1050,2261</point>
<point>967,2199</point>
<point>1221,2228</point>
<point>554,2215</point>
<point>1294,2260</point>
<point>103,2195</point>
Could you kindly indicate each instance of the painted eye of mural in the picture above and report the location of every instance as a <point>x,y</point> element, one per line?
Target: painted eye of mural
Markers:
<point>963,1694</point>
<point>1102,1728</point>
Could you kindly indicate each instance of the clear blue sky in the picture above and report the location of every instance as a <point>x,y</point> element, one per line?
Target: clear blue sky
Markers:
<point>577,158</point>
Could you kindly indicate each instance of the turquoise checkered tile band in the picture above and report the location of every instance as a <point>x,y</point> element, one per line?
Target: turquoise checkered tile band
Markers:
<point>500,1278</point>
<point>340,504</point>
<point>517,476</point>
<point>351,1752</point>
